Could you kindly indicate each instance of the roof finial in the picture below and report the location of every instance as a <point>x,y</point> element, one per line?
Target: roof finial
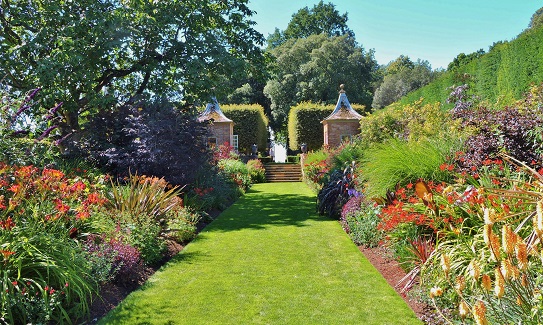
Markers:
<point>341,87</point>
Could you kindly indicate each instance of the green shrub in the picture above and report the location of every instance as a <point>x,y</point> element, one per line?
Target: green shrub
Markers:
<point>304,125</point>
<point>250,124</point>
<point>256,171</point>
<point>363,226</point>
<point>182,225</point>
<point>237,171</point>
<point>316,168</point>
<point>414,121</point>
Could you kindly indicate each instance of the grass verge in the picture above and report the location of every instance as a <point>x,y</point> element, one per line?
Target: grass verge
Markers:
<point>268,259</point>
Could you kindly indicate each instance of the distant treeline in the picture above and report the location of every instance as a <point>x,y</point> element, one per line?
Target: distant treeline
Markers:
<point>502,74</point>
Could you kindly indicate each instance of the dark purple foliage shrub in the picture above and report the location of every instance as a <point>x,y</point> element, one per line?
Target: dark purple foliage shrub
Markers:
<point>506,130</point>
<point>148,139</point>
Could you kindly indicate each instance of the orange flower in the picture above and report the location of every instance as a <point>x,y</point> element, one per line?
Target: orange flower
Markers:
<point>6,253</point>
<point>499,285</point>
<point>479,313</point>
<point>486,282</point>
<point>509,239</point>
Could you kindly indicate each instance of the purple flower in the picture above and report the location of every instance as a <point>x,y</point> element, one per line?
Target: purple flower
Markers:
<point>46,132</point>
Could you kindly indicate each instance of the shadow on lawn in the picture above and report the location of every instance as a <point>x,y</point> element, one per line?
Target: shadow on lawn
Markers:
<point>260,209</point>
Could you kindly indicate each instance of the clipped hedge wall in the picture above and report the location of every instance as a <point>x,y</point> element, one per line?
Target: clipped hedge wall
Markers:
<point>504,73</point>
<point>250,124</point>
<point>304,124</point>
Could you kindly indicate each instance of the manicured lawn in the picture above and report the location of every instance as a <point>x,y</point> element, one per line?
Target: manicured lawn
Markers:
<point>268,259</point>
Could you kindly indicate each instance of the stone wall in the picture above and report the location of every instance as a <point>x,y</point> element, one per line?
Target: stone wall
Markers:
<point>222,132</point>
<point>336,131</point>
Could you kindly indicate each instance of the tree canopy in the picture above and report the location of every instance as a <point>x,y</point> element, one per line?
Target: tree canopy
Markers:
<point>321,19</point>
<point>92,54</point>
<point>401,77</point>
<point>312,68</point>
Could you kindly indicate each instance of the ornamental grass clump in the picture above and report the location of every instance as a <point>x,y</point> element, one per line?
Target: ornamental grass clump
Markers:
<point>142,208</point>
<point>490,267</point>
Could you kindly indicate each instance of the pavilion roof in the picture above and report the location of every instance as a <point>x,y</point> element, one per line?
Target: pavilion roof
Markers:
<point>213,112</point>
<point>343,110</point>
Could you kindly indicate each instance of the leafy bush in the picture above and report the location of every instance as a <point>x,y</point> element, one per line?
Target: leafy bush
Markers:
<point>361,222</point>
<point>111,258</point>
<point>250,124</point>
<point>413,122</point>
<point>148,139</point>
<point>140,208</point>
<point>500,130</point>
<point>316,167</point>
<point>237,171</point>
<point>45,277</point>
<point>211,190</point>
<point>256,171</point>
<point>182,224</point>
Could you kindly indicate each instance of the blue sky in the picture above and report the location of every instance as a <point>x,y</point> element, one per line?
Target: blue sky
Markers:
<point>433,30</point>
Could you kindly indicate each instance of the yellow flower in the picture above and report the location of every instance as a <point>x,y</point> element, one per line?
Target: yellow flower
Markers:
<point>488,215</point>
<point>474,270</point>
<point>479,313</point>
<point>460,284</point>
<point>463,309</point>
<point>436,292</point>
<point>445,263</point>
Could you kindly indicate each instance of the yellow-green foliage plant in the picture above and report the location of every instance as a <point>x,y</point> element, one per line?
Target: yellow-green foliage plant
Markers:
<point>413,122</point>
<point>250,124</point>
<point>489,268</point>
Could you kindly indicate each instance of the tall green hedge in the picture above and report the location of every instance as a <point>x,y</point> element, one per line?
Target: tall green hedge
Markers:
<point>250,124</point>
<point>504,73</point>
<point>304,124</point>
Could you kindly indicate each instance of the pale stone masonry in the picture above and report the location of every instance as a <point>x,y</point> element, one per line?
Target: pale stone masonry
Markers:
<point>221,127</point>
<point>342,124</point>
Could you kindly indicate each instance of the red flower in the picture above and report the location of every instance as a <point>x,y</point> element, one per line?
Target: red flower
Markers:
<point>8,224</point>
<point>15,188</point>
<point>60,206</point>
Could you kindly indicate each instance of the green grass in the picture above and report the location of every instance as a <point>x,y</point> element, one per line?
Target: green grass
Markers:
<point>268,259</point>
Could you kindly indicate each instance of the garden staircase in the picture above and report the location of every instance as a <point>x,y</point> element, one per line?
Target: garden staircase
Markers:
<point>283,172</point>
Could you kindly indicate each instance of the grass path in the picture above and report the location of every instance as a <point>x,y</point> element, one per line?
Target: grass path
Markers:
<point>268,259</point>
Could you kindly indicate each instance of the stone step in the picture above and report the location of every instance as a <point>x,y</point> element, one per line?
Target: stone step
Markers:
<point>283,172</point>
